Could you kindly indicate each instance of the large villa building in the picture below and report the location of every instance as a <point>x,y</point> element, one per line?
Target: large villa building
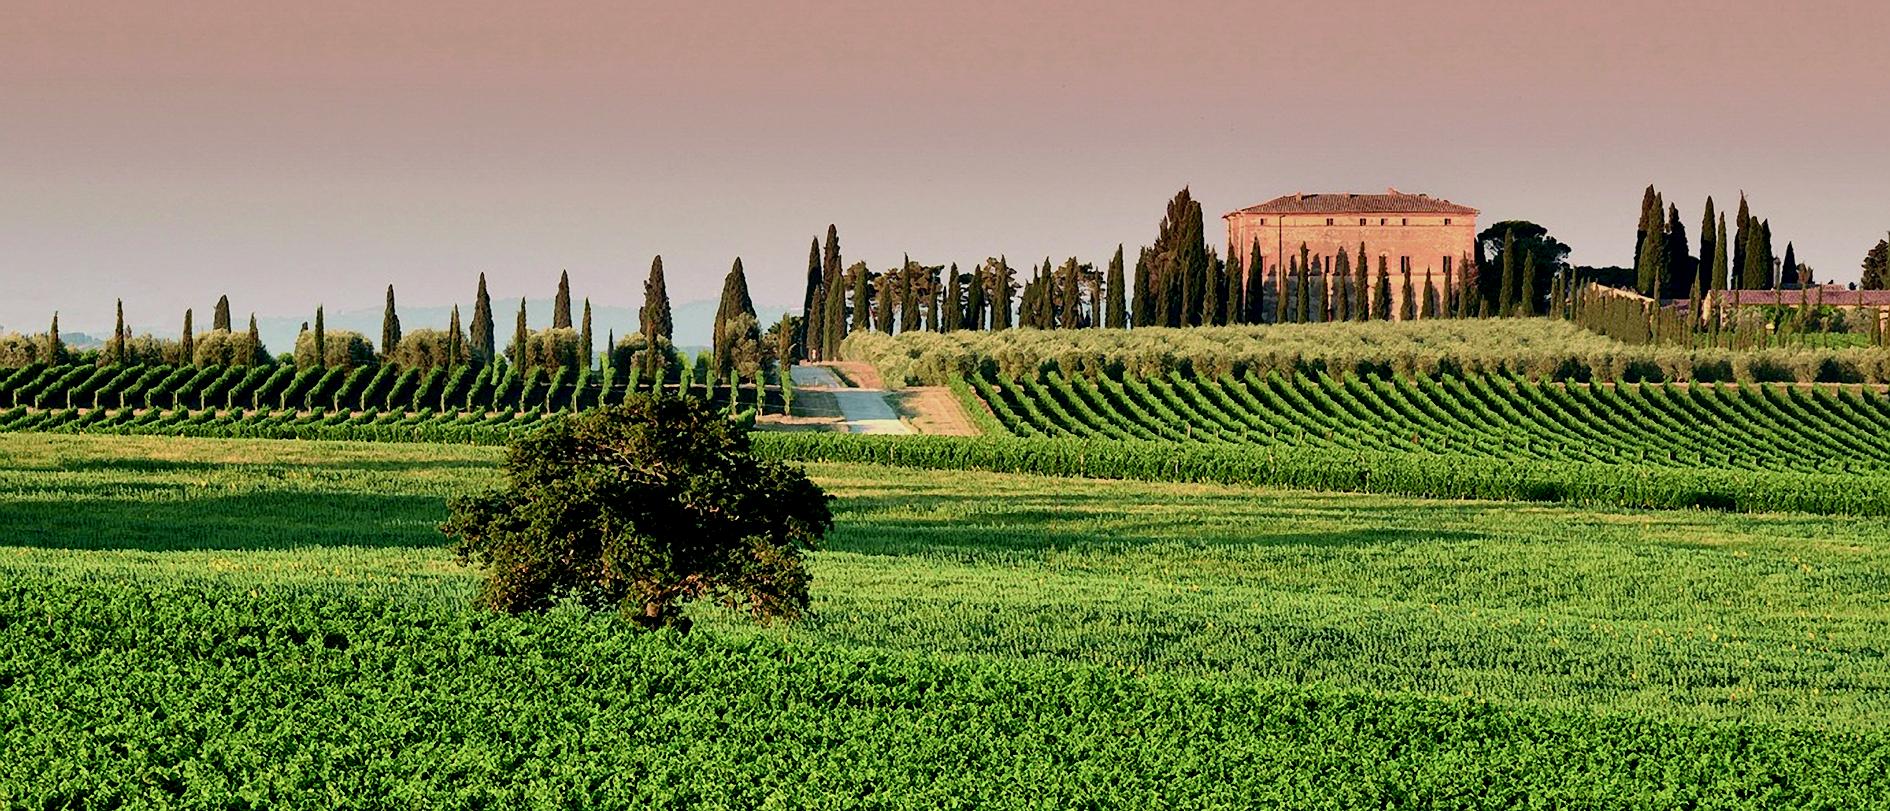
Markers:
<point>1426,235</point>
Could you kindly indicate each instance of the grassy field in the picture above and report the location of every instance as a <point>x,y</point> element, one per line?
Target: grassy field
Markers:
<point>227,620</point>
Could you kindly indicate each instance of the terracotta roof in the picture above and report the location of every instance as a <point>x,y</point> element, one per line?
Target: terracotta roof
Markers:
<point>1391,202</point>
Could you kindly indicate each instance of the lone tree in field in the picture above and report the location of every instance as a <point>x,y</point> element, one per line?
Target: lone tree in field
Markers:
<point>390,326</point>
<point>643,508</point>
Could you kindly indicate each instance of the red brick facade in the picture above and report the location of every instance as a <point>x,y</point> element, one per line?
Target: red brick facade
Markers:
<point>1427,234</point>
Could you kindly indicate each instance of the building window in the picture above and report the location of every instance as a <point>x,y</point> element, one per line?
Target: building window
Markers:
<point>1381,220</point>
<point>1328,220</point>
<point>1446,220</point>
<point>1404,220</point>
<point>1361,221</point>
<point>1263,221</point>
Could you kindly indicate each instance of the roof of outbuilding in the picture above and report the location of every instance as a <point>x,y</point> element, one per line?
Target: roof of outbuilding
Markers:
<point>1391,202</point>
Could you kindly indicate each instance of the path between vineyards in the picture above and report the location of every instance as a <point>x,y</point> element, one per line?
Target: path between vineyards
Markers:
<point>863,411</point>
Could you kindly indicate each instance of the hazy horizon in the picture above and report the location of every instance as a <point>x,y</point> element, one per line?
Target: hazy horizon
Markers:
<point>288,156</point>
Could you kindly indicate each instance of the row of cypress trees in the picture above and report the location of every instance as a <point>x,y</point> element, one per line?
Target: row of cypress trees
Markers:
<point>1665,267</point>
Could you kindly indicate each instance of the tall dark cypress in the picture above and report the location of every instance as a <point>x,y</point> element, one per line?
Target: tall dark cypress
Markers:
<point>654,318</point>
<point>952,313</point>
<point>1709,240</point>
<point>1282,288</point>
<point>1071,315</point>
<point>1307,267</point>
<point>1788,272</point>
<point>735,306</point>
<point>482,336</point>
<point>1142,304</point>
<point>1381,297</point>
<point>187,345</point>
<point>220,317</point>
<point>811,301</point>
<point>1256,295</point>
<point>255,341</point>
<point>390,326</point>
<point>1236,308</point>
<point>1211,294</point>
<point>1361,284</point>
<point>1766,264</point>
<point>862,297</point>
<point>834,307</point>
<point>321,336</point>
<point>1742,242</point>
<point>975,300</point>
<point>1722,268</point>
<point>834,310</point>
<point>584,334</point>
<point>521,338</point>
<point>1650,220</point>
<point>55,346</point>
<point>1527,304</point>
<point>1115,315</point>
<point>115,348</point>
<point>1677,271</point>
<point>1506,297</point>
<point>561,306</point>
<point>1342,271</point>
<point>1001,290</point>
<point>455,339</point>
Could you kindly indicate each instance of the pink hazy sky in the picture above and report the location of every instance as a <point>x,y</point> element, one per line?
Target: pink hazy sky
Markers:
<point>292,153</point>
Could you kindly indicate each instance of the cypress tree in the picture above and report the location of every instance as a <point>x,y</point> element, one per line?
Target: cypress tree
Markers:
<point>952,316</point>
<point>908,295</point>
<point>885,294</point>
<point>1679,268</point>
<point>1767,267</point>
<point>1407,300</point>
<point>1306,270</point>
<point>1742,242</point>
<point>1506,301</point>
<point>1427,307</point>
<point>482,332</point>
<point>521,359</point>
<point>834,310</point>
<point>55,346</point>
<point>115,348</point>
<point>255,340</point>
<point>1001,295</point>
<point>833,307</point>
<point>1256,295</point>
<point>220,317</point>
<point>1650,221</point>
<point>390,326</point>
<point>321,336</point>
<point>653,318</point>
<point>1708,241</point>
<point>1115,314</point>
<point>975,300</point>
<point>1211,296</point>
<point>1191,262</point>
<point>1282,276</point>
<point>1788,273</point>
<point>1072,313</point>
<point>862,298</point>
<point>811,301</point>
<point>1527,306</point>
<point>1141,311</point>
<point>1721,276</point>
<point>455,340</point>
<point>1361,284</point>
<point>1381,298</point>
<point>584,334</point>
<point>187,345</point>
<point>561,306</point>
<point>1342,271</point>
<point>735,304</point>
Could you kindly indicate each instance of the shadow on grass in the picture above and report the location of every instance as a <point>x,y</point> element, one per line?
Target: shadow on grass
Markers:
<point>253,521</point>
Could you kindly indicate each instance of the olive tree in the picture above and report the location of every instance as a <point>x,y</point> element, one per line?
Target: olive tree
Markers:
<point>642,507</point>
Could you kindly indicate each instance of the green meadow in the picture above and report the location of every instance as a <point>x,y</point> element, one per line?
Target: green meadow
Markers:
<point>229,622</point>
